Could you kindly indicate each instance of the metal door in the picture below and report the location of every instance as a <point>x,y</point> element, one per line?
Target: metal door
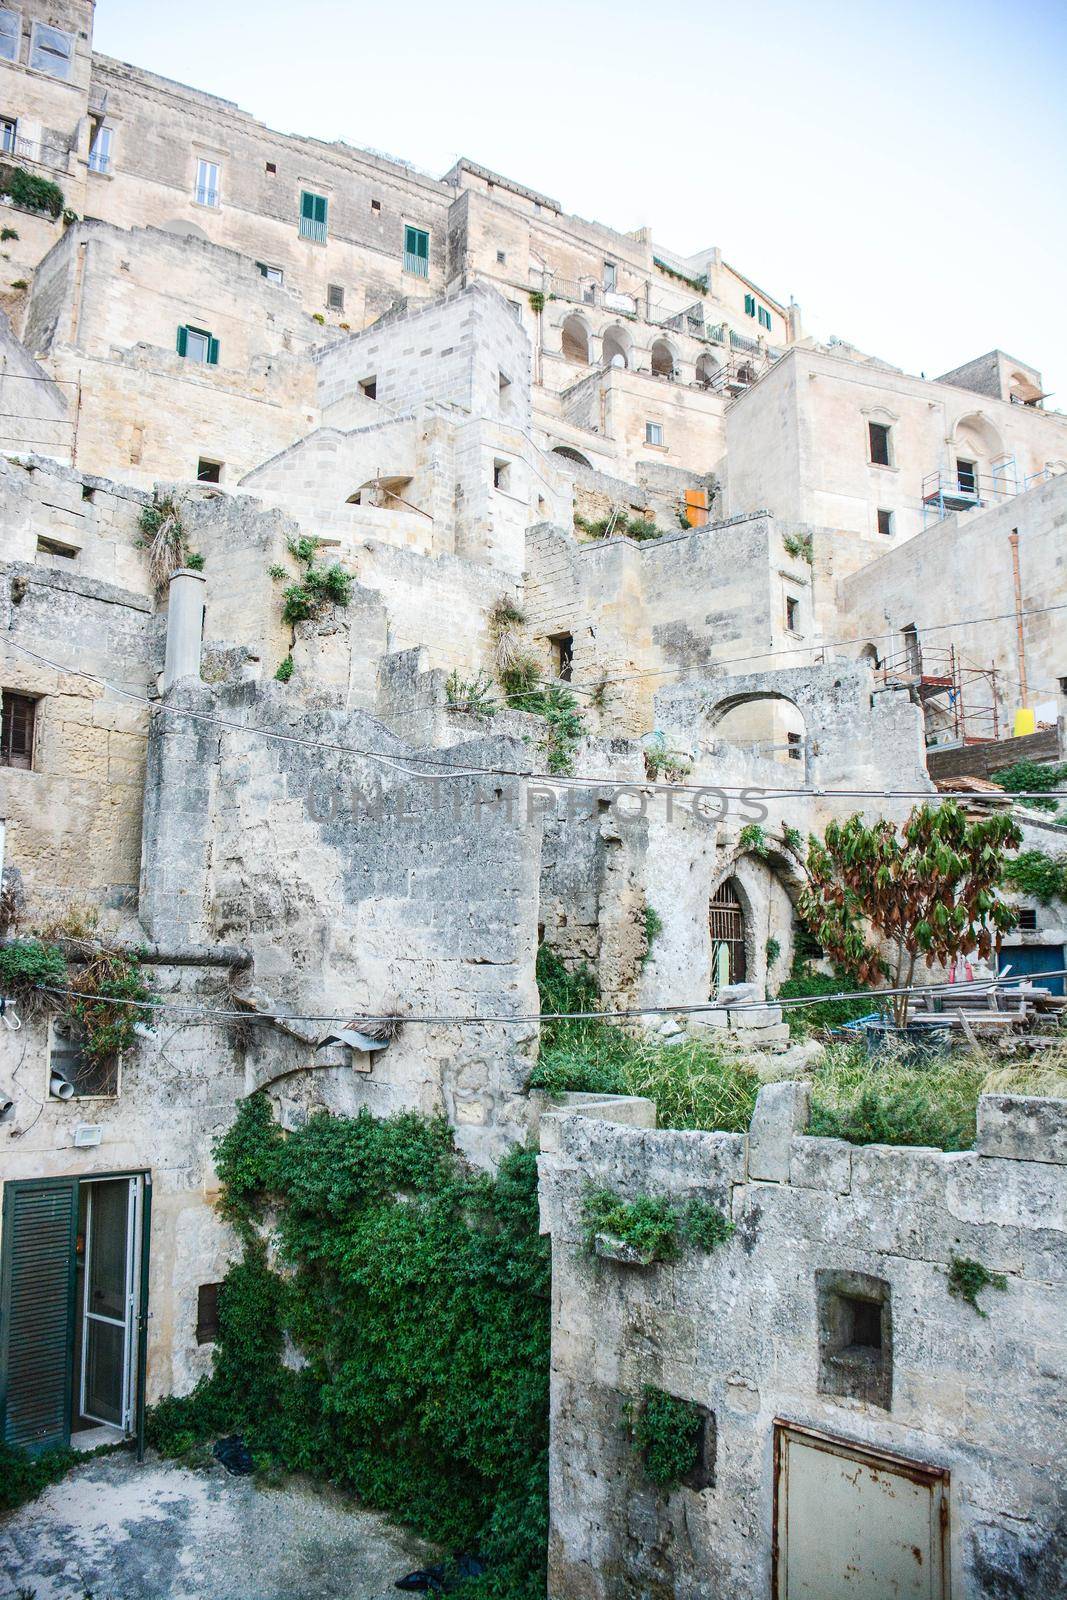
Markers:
<point>855,1524</point>
<point>1034,960</point>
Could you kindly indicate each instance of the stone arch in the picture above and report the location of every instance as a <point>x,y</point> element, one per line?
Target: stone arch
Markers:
<point>389,494</point>
<point>977,455</point>
<point>567,453</point>
<point>663,360</point>
<point>869,654</point>
<point>766,888</point>
<point>767,720</point>
<point>706,368</point>
<point>617,347</point>
<point>574,337</point>
<point>1023,390</point>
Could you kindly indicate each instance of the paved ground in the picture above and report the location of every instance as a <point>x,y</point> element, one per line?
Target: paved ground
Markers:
<point>113,1530</point>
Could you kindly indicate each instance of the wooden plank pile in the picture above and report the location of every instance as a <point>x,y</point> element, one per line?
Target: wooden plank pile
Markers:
<point>994,1011</point>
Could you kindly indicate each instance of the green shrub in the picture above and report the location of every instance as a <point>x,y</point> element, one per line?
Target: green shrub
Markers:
<point>661,762</point>
<point>800,546</point>
<point>285,669</point>
<point>648,1225</point>
<point>773,951</point>
<point>881,1099</point>
<point>472,695</point>
<point>653,929</point>
<point>6,234</point>
<point>537,300</point>
<point>418,1292</point>
<point>1035,873</point>
<point>667,1431</point>
<point>30,192</point>
<point>705,1224</point>
<point>26,963</point>
<point>804,982</point>
<point>318,588</point>
<point>753,838</point>
<point>1030,777</point>
<point>194,561</point>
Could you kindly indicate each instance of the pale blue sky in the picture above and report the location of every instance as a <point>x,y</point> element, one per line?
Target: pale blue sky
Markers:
<point>898,167</point>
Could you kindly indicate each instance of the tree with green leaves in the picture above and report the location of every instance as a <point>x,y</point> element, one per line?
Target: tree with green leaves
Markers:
<point>927,889</point>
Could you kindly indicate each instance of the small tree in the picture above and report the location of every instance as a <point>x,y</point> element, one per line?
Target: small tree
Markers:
<point>929,889</point>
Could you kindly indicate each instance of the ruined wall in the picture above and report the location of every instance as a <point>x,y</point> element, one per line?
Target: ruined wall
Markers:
<point>359,884</point>
<point>741,1331</point>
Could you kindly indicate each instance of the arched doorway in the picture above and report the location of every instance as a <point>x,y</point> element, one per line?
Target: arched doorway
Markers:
<point>616,347</point>
<point>575,341</point>
<point>662,359</point>
<point>729,963</point>
<point>706,368</point>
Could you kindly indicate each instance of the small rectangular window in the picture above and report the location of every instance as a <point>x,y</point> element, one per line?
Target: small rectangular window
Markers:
<point>563,649</point>
<point>611,277</point>
<point>314,209</point>
<point>369,387</point>
<point>207,183</point>
<point>1028,919</point>
<point>55,547</point>
<point>10,35</point>
<point>208,471</point>
<point>16,729</point>
<point>501,474</point>
<point>51,51</point>
<point>272,167</point>
<point>376,205</point>
<point>417,252</point>
<point>750,305</point>
<point>885,521</point>
<point>207,1313</point>
<point>967,476</point>
<point>653,433</point>
<point>196,344</point>
<point>272,274</point>
<point>9,134</point>
<point>100,149</point>
<point>878,436</point>
<point>335,297</point>
<point>855,1336</point>
<point>764,317</point>
<point>501,258</point>
<point>792,614</point>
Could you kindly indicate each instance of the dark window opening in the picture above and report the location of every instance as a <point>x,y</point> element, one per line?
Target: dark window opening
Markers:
<point>72,1074</point>
<point>563,648</point>
<point>795,745</point>
<point>208,471</point>
<point>376,205</point>
<point>967,476</point>
<point>501,474</point>
<point>501,257</point>
<point>855,1336</point>
<point>726,918</point>
<point>878,434</point>
<point>207,1313</point>
<point>369,387</point>
<point>55,547</point>
<point>272,166</point>
<point>88,492</point>
<point>1028,918</point>
<point>885,521</point>
<point>335,297</point>
<point>792,614</point>
<point>16,730</point>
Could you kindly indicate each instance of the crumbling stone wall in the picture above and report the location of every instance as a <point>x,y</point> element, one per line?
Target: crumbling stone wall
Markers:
<point>737,1331</point>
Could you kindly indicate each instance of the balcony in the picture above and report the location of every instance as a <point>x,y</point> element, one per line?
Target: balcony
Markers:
<point>419,265</point>
<point>310,229</point>
<point>965,488</point>
<point>207,197</point>
<point>39,155</point>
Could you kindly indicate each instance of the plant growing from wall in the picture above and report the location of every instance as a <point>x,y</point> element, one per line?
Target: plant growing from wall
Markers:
<point>653,1226</point>
<point>285,670</point>
<point>653,929</point>
<point>800,546</point>
<point>794,840</point>
<point>1031,777</point>
<point>660,762</point>
<point>537,300</point>
<point>967,1279</point>
<point>163,537</point>
<point>417,1290</point>
<point>753,839</point>
<point>774,950</point>
<point>107,996</point>
<point>31,193</point>
<point>1035,873</point>
<point>6,234</point>
<point>927,890</point>
<point>619,526</point>
<point>27,964</point>
<point>319,586</point>
<point>667,1432</point>
<point>472,695</point>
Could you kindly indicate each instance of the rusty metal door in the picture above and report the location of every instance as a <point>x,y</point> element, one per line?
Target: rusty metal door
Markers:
<point>855,1524</point>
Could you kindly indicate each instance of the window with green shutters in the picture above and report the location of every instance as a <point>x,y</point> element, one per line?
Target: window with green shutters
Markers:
<point>764,317</point>
<point>313,214</point>
<point>750,305</point>
<point>417,252</point>
<point>197,344</point>
<point>37,1310</point>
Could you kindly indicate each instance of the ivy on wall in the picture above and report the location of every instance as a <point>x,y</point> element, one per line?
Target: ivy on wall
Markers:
<point>418,1293</point>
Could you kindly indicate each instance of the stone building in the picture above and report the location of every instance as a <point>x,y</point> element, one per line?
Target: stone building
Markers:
<point>504,432</point>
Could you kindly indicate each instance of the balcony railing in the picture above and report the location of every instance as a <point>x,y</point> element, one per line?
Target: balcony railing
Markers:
<point>416,264</point>
<point>310,229</point>
<point>99,161</point>
<point>42,155</point>
<point>206,196</point>
<point>740,341</point>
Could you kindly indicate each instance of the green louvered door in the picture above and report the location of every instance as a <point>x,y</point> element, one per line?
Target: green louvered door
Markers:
<point>40,1223</point>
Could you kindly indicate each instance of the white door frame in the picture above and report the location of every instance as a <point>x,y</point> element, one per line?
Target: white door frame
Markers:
<point>128,1323</point>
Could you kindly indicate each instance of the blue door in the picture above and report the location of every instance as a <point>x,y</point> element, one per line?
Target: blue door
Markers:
<point>1030,960</point>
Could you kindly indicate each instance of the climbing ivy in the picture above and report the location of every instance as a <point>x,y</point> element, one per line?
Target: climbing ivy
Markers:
<point>418,1293</point>
<point>1036,873</point>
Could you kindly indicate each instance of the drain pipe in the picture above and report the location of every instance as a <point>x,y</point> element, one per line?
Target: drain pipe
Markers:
<point>185,626</point>
<point>1013,540</point>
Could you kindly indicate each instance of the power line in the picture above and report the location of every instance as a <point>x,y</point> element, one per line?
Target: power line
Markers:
<point>793,1002</point>
<point>402,761</point>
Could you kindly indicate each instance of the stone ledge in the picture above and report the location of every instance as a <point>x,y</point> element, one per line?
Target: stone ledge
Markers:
<point>1022,1128</point>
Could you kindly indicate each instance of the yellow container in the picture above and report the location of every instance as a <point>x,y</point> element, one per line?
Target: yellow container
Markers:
<point>1025,722</point>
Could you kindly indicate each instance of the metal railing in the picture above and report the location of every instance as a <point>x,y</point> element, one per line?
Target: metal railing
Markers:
<point>416,264</point>
<point>964,488</point>
<point>99,160</point>
<point>741,341</point>
<point>310,229</point>
<point>42,155</point>
<point>206,196</point>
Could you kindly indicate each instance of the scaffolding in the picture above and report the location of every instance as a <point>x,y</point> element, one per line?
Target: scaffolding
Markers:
<point>959,700</point>
<point>964,488</point>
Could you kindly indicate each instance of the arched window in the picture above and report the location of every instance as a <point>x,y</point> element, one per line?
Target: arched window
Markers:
<point>574,456</point>
<point>727,926</point>
<point>575,341</point>
<point>616,347</point>
<point>707,367</point>
<point>662,359</point>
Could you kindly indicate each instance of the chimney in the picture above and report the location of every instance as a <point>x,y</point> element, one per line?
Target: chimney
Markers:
<point>185,626</point>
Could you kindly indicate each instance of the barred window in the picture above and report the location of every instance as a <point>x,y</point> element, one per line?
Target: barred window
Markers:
<point>16,737</point>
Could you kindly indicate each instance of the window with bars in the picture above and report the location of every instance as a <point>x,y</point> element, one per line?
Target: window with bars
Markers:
<point>417,251</point>
<point>727,925</point>
<point>17,720</point>
<point>335,297</point>
<point>207,1313</point>
<point>207,183</point>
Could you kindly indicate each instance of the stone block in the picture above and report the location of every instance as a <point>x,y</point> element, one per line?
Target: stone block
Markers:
<point>1022,1128</point>
<point>755,1017</point>
<point>820,1164</point>
<point>782,1110</point>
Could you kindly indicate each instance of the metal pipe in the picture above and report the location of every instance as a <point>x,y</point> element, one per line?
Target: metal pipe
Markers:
<point>1013,540</point>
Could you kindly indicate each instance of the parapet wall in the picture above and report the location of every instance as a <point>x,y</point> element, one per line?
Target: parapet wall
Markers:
<point>970,1399</point>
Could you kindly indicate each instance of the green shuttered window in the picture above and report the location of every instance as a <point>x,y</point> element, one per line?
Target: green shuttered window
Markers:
<point>313,215</point>
<point>37,1310</point>
<point>197,344</point>
<point>417,251</point>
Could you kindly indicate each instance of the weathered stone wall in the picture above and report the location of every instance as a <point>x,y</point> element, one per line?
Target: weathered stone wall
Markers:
<point>737,1330</point>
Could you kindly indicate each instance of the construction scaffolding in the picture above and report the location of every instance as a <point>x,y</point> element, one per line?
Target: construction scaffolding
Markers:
<point>964,488</point>
<point>959,700</point>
